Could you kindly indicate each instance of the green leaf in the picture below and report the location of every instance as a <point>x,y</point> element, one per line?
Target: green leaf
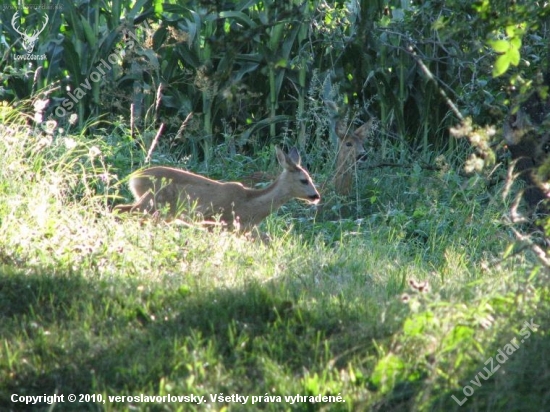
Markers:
<point>500,46</point>
<point>136,8</point>
<point>515,42</point>
<point>238,16</point>
<point>508,251</point>
<point>157,6</point>
<point>501,65</point>
<point>482,6</point>
<point>72,60</point>
<point>387,372</point>
<point>91,38</point>
<point>418,324</point>
<point>72,16</point>
<point>246,135</point>
<point>514,56</point>
<point>244,69</point>
<point>460,336</point>
<point>192,29</point>
<point>114,19</point>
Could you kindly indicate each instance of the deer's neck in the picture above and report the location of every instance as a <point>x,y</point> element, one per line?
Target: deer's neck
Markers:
<point>259,203</point>
<point>342,178</point>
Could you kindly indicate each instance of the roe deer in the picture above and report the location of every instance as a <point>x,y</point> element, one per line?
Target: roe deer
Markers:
<point>158,187</point>
<point>350,151</point>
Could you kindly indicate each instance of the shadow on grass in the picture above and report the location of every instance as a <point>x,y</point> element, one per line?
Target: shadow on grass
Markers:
<point>67,334</point>
<point>63,333</point>
<point>514,375</point>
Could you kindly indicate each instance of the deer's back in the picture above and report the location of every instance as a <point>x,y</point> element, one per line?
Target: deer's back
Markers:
<point>182,189</point>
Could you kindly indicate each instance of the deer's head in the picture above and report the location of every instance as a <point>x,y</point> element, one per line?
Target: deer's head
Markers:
<point>295,180</point>
<point>350,152</point>
<point>28,40</point>
<point>351,141</point>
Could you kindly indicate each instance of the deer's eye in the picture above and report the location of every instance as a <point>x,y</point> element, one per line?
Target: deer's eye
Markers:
<point>349,144</point>
<point>304,181</point>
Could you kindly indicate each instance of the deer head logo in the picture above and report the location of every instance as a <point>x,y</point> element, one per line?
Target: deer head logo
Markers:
<point>29,40</point>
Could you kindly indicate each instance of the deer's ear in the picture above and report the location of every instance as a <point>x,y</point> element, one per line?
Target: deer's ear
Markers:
<point>365,130</point>
<point>289,162</point>
<point>295,156</point>
<point>341,129</point>
<point>280,156</point>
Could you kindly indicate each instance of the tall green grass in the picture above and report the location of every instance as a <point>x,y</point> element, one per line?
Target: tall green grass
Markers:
<point>92,304</point>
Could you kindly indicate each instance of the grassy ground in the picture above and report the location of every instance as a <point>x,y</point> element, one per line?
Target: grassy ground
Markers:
<point>101,307</point>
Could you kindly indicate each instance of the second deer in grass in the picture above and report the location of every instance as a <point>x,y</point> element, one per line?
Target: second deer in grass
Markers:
<point>180,191</point>
<point>350,151</point>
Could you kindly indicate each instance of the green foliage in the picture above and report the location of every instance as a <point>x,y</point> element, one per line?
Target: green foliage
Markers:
<point>508,49</point>
<point>245,70</point>
<point>395,309</point>
<point>398,309</point>
<point>389,370</point>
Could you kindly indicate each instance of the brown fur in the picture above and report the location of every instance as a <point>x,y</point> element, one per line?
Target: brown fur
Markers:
<point>350,151</point>
<point>180,191</point>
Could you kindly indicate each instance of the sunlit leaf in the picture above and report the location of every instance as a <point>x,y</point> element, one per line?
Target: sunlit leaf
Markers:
<point>516,42</point>
<point>417,325</point>
<point>459,337</point>
<point>388,371</point>
<point>514,56</point>
<point>500,46</point>
<point>157,5</point>
<point>501,65</point>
